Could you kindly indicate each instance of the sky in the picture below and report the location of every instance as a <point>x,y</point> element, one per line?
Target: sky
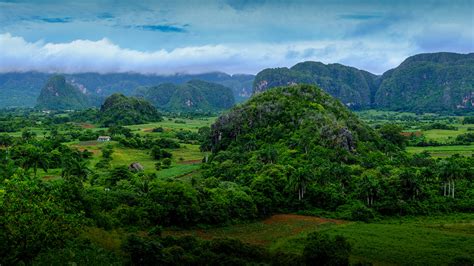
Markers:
<point>233,36</point>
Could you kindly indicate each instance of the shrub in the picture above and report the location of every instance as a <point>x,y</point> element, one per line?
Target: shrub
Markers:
<point>321,249</point>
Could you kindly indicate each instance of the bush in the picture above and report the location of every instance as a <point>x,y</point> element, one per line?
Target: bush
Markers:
<point>321,249</point>
<point>166,163</point>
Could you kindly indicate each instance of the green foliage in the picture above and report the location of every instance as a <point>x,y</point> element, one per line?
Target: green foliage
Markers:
<point>34,216</point>
<point>192,251</point>
<point>157,153</point>
<point>321,249</point>
<point>393,134</point>
<point>468,120</point>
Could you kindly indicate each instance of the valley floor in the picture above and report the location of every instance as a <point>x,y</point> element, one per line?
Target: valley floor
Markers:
<point>411,240</point>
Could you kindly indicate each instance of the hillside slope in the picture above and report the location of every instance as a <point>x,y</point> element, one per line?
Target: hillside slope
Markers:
<point>119,109</point>
<point>292,128</point>
<point>58,94</point>
<point>438,82</point>
<point>352,86</point>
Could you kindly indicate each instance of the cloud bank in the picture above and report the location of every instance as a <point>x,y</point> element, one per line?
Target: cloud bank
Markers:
<point>103,56</point>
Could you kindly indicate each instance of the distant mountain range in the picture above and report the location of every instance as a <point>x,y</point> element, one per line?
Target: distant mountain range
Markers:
<point>437,82</point>
<point>23,89</point>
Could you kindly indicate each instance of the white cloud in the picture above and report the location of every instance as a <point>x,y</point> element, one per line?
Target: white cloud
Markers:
<point>103,56</point>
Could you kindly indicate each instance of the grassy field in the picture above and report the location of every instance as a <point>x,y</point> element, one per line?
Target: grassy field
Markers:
<point>442,135</point>
<point>173,124</point>
<point>186,159</point>
<point>424,240</point>
<point>444,151</point>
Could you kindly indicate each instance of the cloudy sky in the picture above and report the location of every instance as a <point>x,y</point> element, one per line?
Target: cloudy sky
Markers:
<point>234,36</point>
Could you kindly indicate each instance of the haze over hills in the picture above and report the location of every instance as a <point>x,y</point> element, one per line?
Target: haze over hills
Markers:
<point>437,82</point>
<point>22,89</point>
<point>192,96</point>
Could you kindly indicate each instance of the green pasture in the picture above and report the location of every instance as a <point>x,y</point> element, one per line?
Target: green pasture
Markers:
<point>175,124</point>
<point>444,151</point>
<point>402,241</point>
<point>186,159</point>
<point>445,135</point>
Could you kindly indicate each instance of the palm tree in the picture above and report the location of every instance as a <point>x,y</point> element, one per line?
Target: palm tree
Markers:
<point>75,167</point>
<point>370,185</point>
<point>34,157</point>
<point>450,170</point>
<point>298,181</point>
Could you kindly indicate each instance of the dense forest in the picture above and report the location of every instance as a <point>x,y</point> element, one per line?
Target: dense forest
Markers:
<point>295,149</point>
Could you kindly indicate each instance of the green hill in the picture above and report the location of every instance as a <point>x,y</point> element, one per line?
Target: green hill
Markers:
<point>57,94</point>
<point>438,82</point>
<point>290,129</point>
<point>352,86</point>
<point>121,110</point>
<point>192,96</point>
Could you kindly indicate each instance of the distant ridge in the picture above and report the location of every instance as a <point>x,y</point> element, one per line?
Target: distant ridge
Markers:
<point>435,82</point>
<point>22,89</point>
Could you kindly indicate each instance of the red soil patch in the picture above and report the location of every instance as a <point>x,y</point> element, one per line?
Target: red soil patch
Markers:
<point>190,162</point>
<point>292,218</point>
<point>409,134</point>
<point>95,152</point>
<point>86,125</point>
<point>48,177</point>
<point>272,228</point>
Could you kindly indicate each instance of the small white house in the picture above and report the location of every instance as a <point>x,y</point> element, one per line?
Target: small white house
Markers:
<point>103,138</point>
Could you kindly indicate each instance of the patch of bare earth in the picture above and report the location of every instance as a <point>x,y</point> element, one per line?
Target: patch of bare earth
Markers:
<point>292,218</point>
<point>264,232</point>
<point>190,162</point>
<point>87,125</point>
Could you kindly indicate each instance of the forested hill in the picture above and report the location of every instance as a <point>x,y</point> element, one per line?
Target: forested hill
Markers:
<point>192,96</point>
<point>350,85</point>
<point>119,110</point>
<point>440,82</point>
<point>58,94</point>
<point>22,89</point>
<point>288,137</point>
<point>437,82</point>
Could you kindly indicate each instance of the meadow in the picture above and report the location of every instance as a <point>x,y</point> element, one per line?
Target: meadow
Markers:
<point>412,122</point>
<point>398,241</point>
<point>444,151</point>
